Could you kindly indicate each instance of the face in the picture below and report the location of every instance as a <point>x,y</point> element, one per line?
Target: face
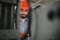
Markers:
<point>24,13</point>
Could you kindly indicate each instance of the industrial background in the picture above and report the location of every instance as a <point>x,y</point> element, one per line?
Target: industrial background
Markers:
<point>42,27</point>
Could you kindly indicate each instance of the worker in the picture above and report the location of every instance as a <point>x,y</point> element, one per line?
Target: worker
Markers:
<point>24,20</point>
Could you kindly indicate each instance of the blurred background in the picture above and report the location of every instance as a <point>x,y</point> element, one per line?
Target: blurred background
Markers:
<point>8,19</point>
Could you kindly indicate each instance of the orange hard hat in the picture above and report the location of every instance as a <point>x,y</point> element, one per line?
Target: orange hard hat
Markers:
<point>24,5</point>
<point>23,0</point>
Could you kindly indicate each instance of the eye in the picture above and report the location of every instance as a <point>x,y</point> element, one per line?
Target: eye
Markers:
<point>51,15</point>
<point>21,9</point>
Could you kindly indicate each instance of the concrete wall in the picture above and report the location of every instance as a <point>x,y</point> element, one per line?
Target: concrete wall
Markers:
<point>46,29</point>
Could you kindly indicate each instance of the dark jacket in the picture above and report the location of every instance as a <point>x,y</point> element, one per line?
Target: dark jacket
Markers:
<point>29,25</point>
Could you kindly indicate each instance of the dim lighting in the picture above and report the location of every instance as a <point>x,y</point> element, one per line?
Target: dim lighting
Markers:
<point>15,7</point>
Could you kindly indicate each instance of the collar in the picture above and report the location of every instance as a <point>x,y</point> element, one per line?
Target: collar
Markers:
<point>25,20</point>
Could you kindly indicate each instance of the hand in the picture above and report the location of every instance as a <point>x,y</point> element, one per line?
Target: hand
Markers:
<point>28,35</point>
<point>22,35</point>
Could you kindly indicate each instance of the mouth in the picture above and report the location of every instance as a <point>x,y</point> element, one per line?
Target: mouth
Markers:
<point>23,16</point>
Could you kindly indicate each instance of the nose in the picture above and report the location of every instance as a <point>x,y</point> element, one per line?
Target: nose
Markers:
<point>23,12</point>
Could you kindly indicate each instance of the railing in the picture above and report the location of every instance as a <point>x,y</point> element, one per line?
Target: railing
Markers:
<point>7,16</point>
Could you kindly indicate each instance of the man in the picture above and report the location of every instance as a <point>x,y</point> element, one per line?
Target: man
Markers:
<point>24,21</point>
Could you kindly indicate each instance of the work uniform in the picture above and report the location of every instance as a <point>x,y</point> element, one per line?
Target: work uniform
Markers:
<point>23,26</point>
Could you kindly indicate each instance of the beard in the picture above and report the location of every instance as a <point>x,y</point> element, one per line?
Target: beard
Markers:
<point>23,16</point>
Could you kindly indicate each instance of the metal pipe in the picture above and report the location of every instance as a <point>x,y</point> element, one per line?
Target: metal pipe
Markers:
<point>12,24</point>
<point>5,18</point>
<point>0,14</point>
